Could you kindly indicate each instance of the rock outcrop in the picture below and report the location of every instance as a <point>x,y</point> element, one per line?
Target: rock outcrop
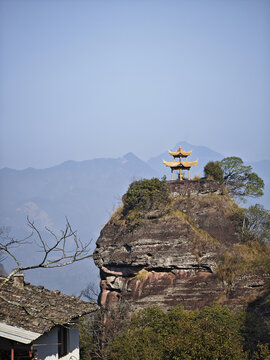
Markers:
<point>190,251</point>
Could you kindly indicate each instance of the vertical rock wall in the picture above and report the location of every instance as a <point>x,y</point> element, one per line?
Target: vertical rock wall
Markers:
<point>172,256</point>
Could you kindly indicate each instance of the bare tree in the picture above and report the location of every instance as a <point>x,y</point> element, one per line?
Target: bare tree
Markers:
<point>98,329</point>
<point>91,292</point>
<point>62,250</point>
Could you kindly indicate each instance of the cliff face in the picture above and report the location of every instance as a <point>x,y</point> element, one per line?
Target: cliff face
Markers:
<point>189,251</point>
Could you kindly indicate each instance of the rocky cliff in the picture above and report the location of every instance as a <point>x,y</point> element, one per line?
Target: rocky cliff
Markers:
<point>186,249</point>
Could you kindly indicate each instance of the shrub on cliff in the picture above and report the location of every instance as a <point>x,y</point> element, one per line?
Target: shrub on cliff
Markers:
<point>145,195</point>
<point>212,333</point>
<point>213,169</point>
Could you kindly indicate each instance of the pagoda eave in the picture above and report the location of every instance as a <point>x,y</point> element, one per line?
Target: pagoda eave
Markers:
<point>189,164</point>
<point>180,153</point>
<point>180,164</point>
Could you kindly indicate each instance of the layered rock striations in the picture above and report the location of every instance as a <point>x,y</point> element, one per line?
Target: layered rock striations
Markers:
<point>186,251</point>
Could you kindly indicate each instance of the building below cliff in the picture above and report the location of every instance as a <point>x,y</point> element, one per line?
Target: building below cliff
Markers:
<point>38,323</point>
<point>188,249</point>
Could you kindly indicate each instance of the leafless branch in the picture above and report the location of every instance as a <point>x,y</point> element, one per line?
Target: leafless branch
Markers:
<point>8,243</point>
<point>62,250</point>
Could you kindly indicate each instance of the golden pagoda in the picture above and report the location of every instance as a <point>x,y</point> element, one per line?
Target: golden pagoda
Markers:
<point>180,165</point>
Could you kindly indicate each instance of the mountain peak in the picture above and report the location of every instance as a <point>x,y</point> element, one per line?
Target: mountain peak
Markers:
<point>130,156</point>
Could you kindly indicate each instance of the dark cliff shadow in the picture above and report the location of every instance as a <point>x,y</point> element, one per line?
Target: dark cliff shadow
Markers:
<point>257,323</point>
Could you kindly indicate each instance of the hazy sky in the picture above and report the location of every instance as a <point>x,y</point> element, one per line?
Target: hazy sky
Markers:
<point>83,79</point>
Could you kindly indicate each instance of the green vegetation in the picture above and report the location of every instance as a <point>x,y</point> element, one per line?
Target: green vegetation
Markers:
<point>151,334</point>
<point>238,178</point>
<point>257,223</point>
<point>212,333</point>
<point>213,170</point>
<point>144,195</point>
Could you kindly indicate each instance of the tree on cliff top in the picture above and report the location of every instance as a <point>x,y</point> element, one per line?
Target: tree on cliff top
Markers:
<point>239,179</point>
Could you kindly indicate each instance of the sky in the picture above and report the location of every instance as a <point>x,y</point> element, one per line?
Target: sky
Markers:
<point>84,79</point>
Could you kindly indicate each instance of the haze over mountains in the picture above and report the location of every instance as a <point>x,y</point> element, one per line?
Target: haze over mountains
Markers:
<point>86,192</point>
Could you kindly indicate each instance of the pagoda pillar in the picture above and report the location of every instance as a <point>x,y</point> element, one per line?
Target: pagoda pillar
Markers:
<point>189,174</point>
<point>171,174</point>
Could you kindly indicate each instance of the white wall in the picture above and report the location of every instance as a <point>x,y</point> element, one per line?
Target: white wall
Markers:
<point>47,347</point>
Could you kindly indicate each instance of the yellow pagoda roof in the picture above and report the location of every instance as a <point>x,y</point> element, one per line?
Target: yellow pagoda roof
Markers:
<point>180,164</point>
<point>180,152</point>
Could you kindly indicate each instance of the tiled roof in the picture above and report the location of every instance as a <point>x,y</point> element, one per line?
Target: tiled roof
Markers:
<point>37,309</point>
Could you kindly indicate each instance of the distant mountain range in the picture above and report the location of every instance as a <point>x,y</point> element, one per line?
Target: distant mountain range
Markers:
<point>86,192</point>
